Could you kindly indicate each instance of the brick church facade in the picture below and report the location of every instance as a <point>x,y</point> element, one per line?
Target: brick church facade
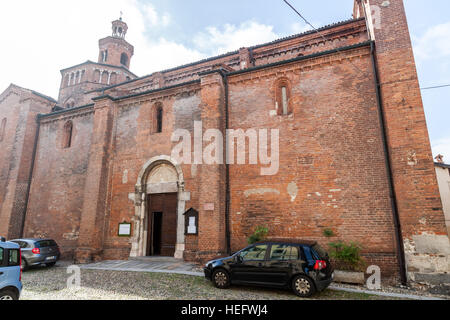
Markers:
<point>354,151</point>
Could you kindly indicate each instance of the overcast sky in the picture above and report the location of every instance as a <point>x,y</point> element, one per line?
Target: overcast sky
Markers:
<point>40,37</point>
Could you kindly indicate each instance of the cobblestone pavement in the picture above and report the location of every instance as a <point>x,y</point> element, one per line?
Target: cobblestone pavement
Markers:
<point>166,278</point>
<point>51,284</point>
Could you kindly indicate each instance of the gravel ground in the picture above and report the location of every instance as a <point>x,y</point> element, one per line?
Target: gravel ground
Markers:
<point>50,284</point>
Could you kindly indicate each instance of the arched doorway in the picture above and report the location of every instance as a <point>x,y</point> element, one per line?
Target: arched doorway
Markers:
<point>160,202</point>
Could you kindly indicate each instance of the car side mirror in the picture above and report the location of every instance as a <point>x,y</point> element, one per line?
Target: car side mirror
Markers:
<point>239,259</point>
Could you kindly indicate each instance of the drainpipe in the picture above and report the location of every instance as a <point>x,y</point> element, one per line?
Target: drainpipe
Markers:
<point>30,177</point>
<point>387,157</point>
<point>227,169</point>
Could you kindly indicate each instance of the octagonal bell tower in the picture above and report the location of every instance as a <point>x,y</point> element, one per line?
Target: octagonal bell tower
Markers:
<point>115,50</point>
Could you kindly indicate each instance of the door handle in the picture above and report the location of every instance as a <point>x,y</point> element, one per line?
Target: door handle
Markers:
<point>1,273</point>
<point>260,264</point>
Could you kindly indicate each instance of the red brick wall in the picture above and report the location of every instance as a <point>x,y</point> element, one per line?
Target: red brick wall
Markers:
<point>419,205</point>
<point>20,107</point>
<point>330,148</point>
<point>57,191</point>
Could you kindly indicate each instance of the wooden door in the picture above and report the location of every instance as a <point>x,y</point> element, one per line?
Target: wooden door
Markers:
<point>162,228</point>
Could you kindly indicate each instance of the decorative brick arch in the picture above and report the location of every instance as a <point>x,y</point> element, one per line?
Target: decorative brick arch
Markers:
<point>143,190</point>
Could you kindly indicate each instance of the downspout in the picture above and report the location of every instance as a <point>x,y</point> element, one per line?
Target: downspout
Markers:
<point>227,169</point>
<point>387,157</point>
<point>30,177</point>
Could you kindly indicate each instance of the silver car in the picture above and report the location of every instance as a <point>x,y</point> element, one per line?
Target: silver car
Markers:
<point>37,252</point>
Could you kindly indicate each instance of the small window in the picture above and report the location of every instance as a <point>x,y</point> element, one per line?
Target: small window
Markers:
<point>283,97</point>
<point>159,119</point>
<point>1,256</point>
<point>14,257</point>
<point>67,139</point>
<point>284,252</point>
<point>2,129</point>
<point>255,253</point>
<point>124,59</point>
<point>105,55</point>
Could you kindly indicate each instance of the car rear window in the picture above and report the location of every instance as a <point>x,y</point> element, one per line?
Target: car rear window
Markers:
<point>320,251</point>
<point>45,244</point>
<point>14,257</point>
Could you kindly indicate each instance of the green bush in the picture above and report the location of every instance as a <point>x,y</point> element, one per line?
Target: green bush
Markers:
<point>259,235</point>
<point>347,256</point>
<point>328,233</point>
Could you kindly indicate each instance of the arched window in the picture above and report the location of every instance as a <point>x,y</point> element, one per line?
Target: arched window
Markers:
<point>67,134</point>
<point>105,55</point>
<point>124,59</point>
<point>2,129</point>
<point>282,96</point>
<point>158,118</point>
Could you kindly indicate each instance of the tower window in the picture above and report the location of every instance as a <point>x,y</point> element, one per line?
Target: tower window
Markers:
<point>105,55</point>
<point>67,134</point>
<point>124,59</point>
<point>2,129</point>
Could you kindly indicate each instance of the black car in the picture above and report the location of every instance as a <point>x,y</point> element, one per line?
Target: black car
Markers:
<point>302,266</point>
<point>37,252</point>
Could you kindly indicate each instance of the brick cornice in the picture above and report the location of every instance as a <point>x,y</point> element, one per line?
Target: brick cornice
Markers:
<point>302,63</point>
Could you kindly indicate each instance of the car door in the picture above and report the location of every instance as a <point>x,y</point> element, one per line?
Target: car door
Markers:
<point>250,267</point>
<point>3,273</point>
<point>280,263</point>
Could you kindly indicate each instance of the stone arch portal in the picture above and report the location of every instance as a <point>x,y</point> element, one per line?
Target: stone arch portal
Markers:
<point>158,176</point>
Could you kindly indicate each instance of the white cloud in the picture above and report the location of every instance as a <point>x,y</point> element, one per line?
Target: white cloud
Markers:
<point>231,37</point>
<point>442,146</point>
<point>298,27</point>
<point>434,43</point>
<point>45,36</point>
<point>154,18</point>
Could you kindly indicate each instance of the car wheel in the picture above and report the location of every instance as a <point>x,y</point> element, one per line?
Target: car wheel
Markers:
<point>303,286</point>
<point>25,265</point>
<point>221,279</point>
<point>8,295</point>
<point>51,264</point>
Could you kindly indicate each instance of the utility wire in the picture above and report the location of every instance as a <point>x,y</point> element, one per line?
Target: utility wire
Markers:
<point>320,34</point>
<point>436,87</point>
<point>338,50</point>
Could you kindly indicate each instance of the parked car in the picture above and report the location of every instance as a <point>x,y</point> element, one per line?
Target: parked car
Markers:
<point>37,252</point>
<point>10,270</point>
<point>302,266</point>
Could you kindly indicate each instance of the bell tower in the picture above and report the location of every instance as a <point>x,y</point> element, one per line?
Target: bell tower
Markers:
<point>115,50</point>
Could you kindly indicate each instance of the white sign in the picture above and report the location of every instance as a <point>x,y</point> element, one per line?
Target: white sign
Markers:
<point>192,229</point>
<point>124,229</point>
